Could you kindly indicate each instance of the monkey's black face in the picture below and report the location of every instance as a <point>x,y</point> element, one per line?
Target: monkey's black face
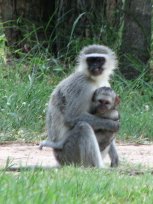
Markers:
<point>95,65</point>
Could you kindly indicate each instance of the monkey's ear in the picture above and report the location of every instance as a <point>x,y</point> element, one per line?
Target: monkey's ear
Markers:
<point>117,100</point>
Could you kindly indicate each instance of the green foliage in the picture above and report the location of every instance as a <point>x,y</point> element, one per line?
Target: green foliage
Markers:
<point>24,94</point>
<point>26,84</point>
<point>25,91</point>
<point>136,108</point>
<point>75,185</point>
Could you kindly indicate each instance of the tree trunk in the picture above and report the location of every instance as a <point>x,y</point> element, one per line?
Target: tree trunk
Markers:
<point>113,12</point>
<point>136,38</point>
<point>62,25</point>
<point>24,21</point>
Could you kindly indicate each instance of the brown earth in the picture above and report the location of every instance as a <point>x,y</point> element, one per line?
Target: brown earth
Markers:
<point>29,154</point>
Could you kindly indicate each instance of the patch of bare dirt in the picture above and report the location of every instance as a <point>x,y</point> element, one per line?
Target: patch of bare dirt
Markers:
<point>29,154</point>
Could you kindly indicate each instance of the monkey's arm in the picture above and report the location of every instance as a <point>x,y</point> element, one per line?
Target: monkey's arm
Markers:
<point>96,122</point>
<point>112,114</point>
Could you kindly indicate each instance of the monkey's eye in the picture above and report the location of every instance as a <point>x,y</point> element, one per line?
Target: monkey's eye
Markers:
<point>102,60</point>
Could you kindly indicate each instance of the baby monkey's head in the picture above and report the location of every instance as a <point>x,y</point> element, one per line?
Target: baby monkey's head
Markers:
<point>105,99</point>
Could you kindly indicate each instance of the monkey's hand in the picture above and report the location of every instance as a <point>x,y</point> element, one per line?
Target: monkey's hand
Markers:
<point>110,125</point>
<point>117,125</point>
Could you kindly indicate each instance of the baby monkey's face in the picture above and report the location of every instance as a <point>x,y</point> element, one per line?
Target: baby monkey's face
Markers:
<point>105,99</point>
<point>104,104</point>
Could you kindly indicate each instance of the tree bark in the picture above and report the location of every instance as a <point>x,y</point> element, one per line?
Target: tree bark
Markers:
<point>24,21</point>
<point>62,25</point>
<point>136,37</point>
<point>113,12</point>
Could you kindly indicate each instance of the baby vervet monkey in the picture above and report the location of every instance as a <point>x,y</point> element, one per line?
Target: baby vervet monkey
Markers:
<point>69,120</point>
<point>104,104</point>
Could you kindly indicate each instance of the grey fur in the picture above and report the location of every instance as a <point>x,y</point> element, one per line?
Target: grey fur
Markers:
<point>69,118</point>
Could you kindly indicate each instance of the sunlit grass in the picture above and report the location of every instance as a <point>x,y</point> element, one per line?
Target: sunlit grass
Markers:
<point>25,90</point>
<point>75,185</point>
<point>26,84</point>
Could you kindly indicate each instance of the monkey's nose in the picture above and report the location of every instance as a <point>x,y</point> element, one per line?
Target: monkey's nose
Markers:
<point>103,102</point>
<point>97,71</point>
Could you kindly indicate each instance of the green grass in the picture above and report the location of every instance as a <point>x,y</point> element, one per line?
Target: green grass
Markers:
<point>25,89</point>
<point>26,84</point>
<point>24,93</point>
<point>136,109</point>
<point>75,185</point>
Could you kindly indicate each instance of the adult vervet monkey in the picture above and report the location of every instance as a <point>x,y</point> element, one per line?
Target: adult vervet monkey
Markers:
<point>104,104</point>
<point>68,117</point>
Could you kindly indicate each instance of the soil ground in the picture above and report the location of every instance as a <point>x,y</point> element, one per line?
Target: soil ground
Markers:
<point>29,154</point>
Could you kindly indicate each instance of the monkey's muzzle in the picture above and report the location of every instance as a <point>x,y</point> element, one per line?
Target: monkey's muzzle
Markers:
<point>96,71</point>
